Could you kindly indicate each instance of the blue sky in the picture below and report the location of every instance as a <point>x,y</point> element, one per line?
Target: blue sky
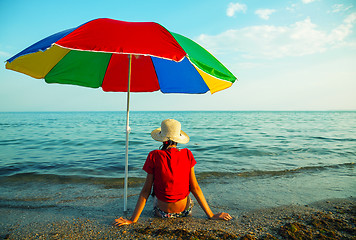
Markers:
<point>287,55</point>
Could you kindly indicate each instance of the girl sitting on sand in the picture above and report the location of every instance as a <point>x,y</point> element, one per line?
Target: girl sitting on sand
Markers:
<point>171,172</point>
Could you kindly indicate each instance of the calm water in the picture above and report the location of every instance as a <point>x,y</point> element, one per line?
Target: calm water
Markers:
<point>250,159</point>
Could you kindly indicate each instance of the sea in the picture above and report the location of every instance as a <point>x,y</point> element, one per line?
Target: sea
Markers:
<point>246,160</point>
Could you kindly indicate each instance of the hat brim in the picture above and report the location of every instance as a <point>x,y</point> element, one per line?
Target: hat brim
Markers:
<point>183,138</point>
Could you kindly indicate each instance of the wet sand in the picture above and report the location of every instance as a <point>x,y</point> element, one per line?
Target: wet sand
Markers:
<point>327,219</point>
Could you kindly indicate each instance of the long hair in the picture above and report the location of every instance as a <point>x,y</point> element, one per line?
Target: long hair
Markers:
<point>166,144</point>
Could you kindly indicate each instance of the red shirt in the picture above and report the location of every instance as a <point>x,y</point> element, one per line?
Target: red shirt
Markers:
<point>171,171</point>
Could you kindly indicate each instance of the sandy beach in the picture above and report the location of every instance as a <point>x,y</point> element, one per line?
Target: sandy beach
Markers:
<point>327,219</point>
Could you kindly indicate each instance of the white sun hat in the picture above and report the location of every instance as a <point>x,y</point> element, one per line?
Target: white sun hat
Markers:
<point>170,130</point>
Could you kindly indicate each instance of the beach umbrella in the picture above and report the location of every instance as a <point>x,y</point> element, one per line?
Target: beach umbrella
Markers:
<point>123,56</point>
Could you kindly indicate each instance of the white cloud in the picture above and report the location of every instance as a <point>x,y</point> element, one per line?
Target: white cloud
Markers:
<point>235,7</point>
<point>264,13</point>
<point>351,19</point>
<point>340,8</point>
<point>308,1</point>
<point>4,54</point>
<point>292,8</point>
<point>269,41</point>
<point>342,31</point>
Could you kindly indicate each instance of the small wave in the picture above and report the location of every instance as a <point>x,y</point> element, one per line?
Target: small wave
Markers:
<point>68,179</point>
<point>236,150</point>
<point>328,139</point>
<point>6,142</point>
<point>270,173</point>
<point>117,183</point>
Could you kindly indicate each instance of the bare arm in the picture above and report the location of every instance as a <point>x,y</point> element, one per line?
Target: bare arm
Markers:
<point>199,196</point>
<point>141,202</point>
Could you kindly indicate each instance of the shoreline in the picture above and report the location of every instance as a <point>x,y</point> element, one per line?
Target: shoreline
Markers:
<point>328,219</point>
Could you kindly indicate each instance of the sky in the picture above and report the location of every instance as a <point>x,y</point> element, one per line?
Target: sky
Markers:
<point>288,55</point>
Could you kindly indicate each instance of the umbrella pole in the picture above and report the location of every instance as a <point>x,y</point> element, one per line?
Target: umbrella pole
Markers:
<point>128,129</point>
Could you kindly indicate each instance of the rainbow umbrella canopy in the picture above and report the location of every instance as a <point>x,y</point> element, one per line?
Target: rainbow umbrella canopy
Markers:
<point>123,56</point>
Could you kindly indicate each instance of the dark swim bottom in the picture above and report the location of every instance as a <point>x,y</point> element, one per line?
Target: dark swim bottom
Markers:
<point>159,213</point>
